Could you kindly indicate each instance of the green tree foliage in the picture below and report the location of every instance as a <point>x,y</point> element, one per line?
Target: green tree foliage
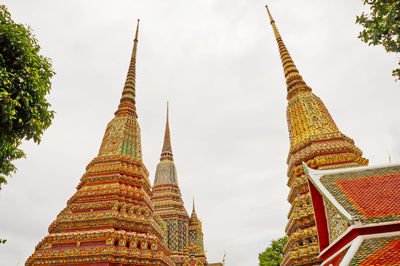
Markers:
<point>24,82</point>
<point>382,26</point>
<point>273,255</point>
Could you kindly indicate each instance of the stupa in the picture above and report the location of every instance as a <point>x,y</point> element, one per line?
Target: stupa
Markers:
<point>183,231</point>
<point>110,220</point>
<point>316,140</point>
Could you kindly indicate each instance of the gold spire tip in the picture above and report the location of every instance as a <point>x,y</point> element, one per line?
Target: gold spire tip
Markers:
<point>269,14</point>
<point>167,111</point>
<point>137,30</point>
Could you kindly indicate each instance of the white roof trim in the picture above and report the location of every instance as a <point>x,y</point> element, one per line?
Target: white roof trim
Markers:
<point>355,245</point>
<point>352,251</point>
<point>354,248</point>
<point>316,175</point>
<point>337,253</point>
<point>357,226</point>
<point>388,234</point>
<point>315,178</point>
<point>337,239</point>
<point>352,169</point>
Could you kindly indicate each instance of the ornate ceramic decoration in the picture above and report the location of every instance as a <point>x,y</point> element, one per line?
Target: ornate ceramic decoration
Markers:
<point>167,199</point>
<point>316,140</point>
<point>110,220</point>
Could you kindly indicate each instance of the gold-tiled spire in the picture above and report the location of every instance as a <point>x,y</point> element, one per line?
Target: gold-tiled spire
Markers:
<point>294,80</point>
<point>127,103</point>
<point>166,153</point>
<point>315,140</point>
<point>111,218</point>
<point>123,132</point>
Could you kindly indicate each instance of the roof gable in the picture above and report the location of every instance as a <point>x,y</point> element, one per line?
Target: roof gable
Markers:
<point>370,193</point>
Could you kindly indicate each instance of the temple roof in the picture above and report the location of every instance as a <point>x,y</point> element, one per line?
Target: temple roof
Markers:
<point>378,251</point>
<point>375,249</point>
<point>369,193</point>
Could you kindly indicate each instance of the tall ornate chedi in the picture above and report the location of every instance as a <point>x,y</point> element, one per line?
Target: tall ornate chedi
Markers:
<point>168,204</point>
<point>110,220</point>
<point>316,140</point>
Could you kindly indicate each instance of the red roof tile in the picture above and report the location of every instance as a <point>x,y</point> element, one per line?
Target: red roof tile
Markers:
<point>378,251</point>
<point>373,196</point>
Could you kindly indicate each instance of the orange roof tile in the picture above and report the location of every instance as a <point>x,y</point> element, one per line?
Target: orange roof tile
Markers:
<point>378,251</point>
<point>371,194</point>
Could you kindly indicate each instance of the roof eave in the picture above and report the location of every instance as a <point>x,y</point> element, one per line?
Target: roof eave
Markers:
<point>354,227</point>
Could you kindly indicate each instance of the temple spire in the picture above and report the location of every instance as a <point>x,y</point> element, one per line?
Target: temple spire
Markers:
<point>293,78</point>
<point>269,14</point>
<point>193,216</point>
<point>127,103</point>
<point>166,153</point>
<point>316,141</point>
<point>115,182</point>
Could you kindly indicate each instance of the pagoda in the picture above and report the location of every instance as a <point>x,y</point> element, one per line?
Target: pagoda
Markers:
<point>110,220</point>
<point>167,199</point>
<point>316,140</point>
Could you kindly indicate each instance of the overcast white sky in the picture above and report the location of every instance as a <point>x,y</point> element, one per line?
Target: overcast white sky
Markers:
<point>217,63</point>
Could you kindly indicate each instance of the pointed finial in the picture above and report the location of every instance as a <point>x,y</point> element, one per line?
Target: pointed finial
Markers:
<point>167,111</point>
<point>269,14</point>
<point>294,80</point>
<point>166,153</point>
<point>127,103</point>
<point>194,214</point>
<point>137,31</point>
